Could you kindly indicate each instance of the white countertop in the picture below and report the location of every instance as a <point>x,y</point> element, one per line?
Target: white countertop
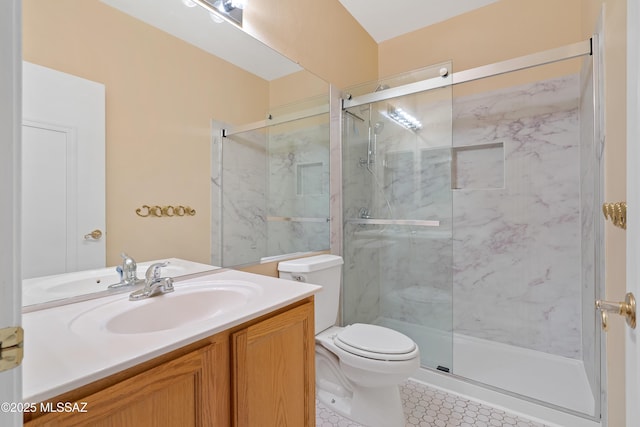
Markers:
<point>58,359</point>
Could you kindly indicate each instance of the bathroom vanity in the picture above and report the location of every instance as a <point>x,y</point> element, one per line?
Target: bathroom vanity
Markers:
<point>250,365</point>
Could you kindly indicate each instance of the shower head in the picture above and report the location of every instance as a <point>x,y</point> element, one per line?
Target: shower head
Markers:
<point>378,128</point>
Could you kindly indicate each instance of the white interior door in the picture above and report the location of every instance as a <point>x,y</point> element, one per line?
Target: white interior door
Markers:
<point>63,172</point>
<point>10,282</point>
<point>633,212</point>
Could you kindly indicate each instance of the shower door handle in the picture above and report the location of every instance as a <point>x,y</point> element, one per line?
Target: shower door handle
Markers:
<point>627,308</point>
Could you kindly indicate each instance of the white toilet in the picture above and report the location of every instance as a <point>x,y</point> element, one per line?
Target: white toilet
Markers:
<point>358,367</point>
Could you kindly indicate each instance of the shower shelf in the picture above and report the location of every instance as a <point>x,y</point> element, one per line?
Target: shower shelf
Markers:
<point>411,222</point>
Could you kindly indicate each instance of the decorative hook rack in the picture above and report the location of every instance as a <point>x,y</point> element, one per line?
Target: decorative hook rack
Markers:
<point>617,213</point>
<point>160,211</point>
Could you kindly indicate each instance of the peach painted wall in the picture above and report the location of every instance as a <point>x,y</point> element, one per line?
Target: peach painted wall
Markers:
<point>503,30</point>
<point>319,35</point>
<point>161,94</point>
<point>296,87</point>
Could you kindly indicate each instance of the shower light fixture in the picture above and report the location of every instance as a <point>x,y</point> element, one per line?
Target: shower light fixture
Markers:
<point>404,119</point>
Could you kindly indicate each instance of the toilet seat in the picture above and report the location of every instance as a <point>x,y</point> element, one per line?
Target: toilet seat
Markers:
<point>375,342</point>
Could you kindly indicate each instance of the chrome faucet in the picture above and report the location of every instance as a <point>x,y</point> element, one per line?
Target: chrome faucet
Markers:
<point>127,272</point>
<point>154,284</point>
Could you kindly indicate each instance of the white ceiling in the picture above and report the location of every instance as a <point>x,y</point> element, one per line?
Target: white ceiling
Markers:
<point>386,19</point>
<point>382,19</point>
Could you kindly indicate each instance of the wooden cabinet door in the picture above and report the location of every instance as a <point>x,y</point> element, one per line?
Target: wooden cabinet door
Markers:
<point>274,371</point>
<point>173,394</point>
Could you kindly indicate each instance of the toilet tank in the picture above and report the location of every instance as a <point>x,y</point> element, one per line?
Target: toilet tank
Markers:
<point>323,270</point>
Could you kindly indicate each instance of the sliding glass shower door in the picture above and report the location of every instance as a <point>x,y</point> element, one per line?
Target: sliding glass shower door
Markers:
<point>397,211</point>
<point>471,224</point>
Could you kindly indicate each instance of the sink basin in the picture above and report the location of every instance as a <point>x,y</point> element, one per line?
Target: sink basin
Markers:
<point>72,283</point>
<point>188,304</point>
<point>43,289</point>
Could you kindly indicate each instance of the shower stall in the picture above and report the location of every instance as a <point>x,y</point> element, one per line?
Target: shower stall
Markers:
<point>470,205</point>
<point>465,205</point>
<point>270,185</point>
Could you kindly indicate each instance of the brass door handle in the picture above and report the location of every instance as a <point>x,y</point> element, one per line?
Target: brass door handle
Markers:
<point>94,235</point>
<point>627,308</point>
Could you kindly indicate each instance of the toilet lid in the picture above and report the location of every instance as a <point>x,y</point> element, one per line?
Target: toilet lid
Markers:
<point>375,342</point>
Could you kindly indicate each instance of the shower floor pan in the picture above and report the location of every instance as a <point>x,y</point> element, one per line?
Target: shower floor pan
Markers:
<point>557,380</point>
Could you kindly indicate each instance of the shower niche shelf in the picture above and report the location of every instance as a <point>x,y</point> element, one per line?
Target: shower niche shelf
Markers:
<point>478,167</point>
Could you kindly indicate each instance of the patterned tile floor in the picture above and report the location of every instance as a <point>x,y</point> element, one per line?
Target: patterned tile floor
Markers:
<point>428,407</point>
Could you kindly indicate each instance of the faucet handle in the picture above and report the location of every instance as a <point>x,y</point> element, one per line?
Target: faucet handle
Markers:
<point>128,263</point>
<point>154,270</point>
<point>128,272</point>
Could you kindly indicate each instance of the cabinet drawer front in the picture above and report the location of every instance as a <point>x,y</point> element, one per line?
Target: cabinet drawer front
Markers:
<point>168,395</point>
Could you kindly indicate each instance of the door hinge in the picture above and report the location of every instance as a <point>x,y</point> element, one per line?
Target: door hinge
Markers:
<point>11,351</point>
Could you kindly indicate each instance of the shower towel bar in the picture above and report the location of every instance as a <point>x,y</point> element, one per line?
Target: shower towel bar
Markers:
<point>295,219</point>
<point>411,222</point>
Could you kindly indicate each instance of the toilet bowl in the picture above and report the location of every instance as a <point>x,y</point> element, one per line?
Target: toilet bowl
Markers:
<point>358,367</point>
<point>367,363</point>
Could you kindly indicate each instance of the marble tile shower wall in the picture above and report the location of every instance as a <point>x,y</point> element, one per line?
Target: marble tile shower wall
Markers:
<point>513,246</point>
<point>277,175</point>
<point>517,246</point>
<point>242,211</point>
<point>298,187</point>
<point>589,171</point>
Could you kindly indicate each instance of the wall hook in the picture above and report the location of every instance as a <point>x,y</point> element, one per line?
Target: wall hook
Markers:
<point>162,211</point>
<point>617,213</point>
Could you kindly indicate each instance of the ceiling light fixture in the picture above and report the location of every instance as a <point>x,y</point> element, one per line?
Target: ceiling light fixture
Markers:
<point>229,5</point>
<point>227,10</point>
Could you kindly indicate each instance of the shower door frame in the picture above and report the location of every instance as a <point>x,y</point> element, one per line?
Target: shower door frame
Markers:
<point>588,47</point>
<point>550,56</point>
